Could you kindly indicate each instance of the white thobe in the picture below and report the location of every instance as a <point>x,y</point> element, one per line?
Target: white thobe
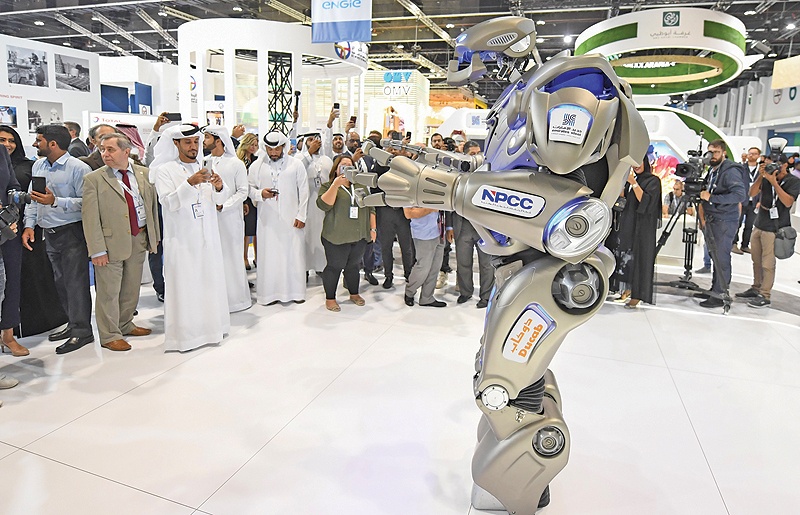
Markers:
<point>281,246</point>
<point>195,300</point>
<point>318,169</point>
<point>231,230</point>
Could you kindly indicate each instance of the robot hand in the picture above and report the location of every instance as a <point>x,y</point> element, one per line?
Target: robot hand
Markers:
<point>410,183</point>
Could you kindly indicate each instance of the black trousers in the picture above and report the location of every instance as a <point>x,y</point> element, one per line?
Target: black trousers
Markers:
<point>66,248</point>
<point>347,257</point>
<point>156,261</point>
<point>12,257</point>
<point>748,216</point>
<point>392,222</point>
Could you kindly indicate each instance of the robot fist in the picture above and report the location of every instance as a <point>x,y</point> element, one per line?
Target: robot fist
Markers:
<point>409,183</point>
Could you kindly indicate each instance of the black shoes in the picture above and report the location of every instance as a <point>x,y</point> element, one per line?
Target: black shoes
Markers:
<point>387,283</point>
<point>409,300</point>
<point>712,302</point>
<point>463,298</point>
<point>370,278</point>
<point>434,304</point>
<point>74,344</point>
<point>60,335</point>
<point>160,297</point>
<point>482,304</point>
<point>701,295</point>
<point>751,293</point>
<point>759,302</point>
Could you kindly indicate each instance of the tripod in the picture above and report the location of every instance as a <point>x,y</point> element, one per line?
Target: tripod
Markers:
<point>689,240</point>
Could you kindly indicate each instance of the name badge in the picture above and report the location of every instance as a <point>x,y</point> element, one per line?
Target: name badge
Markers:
<point>197,209</point>
<point>354,212</point>
<point>317,182</point>
<point>141,214</point>
<point>773,213</point>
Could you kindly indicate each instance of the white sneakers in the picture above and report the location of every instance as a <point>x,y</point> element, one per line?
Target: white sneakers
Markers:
<point>7,382</point>
<point>441,280</point>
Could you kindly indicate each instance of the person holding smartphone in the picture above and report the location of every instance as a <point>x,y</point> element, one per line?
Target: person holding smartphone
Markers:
<point>317,167</point>
<point>58,212</point>
<point>345,232</point>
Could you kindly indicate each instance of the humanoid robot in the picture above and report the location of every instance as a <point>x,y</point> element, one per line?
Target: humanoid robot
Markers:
<point>556,126</point>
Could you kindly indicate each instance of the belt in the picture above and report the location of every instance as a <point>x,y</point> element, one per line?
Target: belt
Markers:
<point>54,230</point>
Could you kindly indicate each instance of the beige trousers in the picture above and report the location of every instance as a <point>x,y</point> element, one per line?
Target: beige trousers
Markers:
<point>117,285</point>
<point>762,250</point>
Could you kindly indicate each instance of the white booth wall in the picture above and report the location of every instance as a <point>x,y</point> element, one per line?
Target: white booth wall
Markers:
<point>124,71</point>
<point>57,97</point>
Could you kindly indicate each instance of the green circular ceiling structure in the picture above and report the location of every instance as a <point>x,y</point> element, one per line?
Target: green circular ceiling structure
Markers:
<point>669,51</point>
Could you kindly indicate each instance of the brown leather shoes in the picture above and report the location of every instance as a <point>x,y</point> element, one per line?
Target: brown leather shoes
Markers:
<point>139,331</point>
<point>117,345</point>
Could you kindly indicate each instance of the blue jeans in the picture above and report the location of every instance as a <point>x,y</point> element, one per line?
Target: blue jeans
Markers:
<point>723,232</point>
<point>706,256</point>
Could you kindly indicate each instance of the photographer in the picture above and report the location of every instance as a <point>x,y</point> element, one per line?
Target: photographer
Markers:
<point>719,217</point>
<point>779,190</point>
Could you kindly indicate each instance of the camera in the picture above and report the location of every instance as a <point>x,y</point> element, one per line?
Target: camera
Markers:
<point>776,146</point>
<point>691,172</point>
<point>9,214</point>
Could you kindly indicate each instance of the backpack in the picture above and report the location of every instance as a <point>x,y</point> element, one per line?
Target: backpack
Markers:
<point>785,239</point>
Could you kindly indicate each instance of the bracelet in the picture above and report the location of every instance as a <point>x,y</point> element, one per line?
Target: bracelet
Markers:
<point>634,185</point>
<point>373,230</point>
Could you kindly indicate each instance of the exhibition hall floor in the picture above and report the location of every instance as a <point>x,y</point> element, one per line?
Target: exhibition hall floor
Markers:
<point>673,409</point>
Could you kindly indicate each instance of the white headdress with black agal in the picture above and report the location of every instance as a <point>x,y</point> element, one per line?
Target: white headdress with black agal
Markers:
<point>275,139</point>
<point>222,133</point>
<point>165,150</point>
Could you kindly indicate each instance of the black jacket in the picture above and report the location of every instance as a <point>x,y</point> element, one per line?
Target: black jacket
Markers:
<point>727,193</point>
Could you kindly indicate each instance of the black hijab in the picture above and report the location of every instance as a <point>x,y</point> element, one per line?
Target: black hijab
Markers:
<point>19,153</point>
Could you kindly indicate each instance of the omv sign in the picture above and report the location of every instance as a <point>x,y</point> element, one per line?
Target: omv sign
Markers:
<point>508,201</point>
<point>396,77</point>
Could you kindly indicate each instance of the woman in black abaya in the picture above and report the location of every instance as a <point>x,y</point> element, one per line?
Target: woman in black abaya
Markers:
<point>636,238</point>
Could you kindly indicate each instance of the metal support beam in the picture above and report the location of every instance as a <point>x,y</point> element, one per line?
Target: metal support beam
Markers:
<point>77,28</point>
<point>130,37</point>
<point>156,26</point>
<point>281,94</point>
<point>178,14</point>
<point>406,56</point>
<point>288,11</point>
<point>421,16</point>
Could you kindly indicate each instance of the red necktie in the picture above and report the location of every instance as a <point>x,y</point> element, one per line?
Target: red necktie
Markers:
<point>131,210</point>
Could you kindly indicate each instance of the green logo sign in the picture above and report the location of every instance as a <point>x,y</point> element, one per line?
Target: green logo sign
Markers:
<point>671,19</point>
<point>792,93</point>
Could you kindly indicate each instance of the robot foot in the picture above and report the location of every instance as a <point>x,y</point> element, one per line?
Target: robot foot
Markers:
<point>484,501</point>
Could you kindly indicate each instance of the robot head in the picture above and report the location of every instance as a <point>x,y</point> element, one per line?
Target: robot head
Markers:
<point>572,107</point>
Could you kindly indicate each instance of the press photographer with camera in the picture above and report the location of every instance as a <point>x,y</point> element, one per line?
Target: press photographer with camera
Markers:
<point>719,218</point>
<point>779,190</point>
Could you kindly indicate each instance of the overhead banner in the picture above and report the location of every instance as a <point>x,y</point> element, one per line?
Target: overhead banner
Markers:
<point>341,20</point>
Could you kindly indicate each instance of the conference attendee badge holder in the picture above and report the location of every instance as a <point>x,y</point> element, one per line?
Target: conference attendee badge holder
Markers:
<point>773,213</point>
<point>138,202</point>
<point>353,206</point>
<point>197,209</point>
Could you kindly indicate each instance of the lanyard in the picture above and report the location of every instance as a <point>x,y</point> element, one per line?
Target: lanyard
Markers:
<point>135,196</point>
<point>352,193</point>
<point>275,176</point>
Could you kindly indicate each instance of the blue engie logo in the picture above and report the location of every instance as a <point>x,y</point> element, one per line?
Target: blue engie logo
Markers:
<point>508,201</point>
<point>341,4</point>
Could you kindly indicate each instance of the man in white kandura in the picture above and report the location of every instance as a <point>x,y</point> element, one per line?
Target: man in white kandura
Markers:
<point>318,168</point>
<point>230,214</point>
<point>279,190</point>
<point>196,301</point>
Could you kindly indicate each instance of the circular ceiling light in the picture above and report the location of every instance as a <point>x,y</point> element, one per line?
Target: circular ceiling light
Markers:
<point>115,41</point>
<point>400,46</point>
<point>772,54</point>
<point>449,26</point>
<point>540,22</point>
<point>66,43</point>
<point>38,23</point>
<point>791,26</point>
<point>750,13</point>
<point>567,39</point>
<point>237,8</point>
<point>540,40</point>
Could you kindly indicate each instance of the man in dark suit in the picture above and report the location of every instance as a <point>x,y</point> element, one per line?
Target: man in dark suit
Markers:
<point>120,224</point>
<point>94,160</point>
<point>77,148</point>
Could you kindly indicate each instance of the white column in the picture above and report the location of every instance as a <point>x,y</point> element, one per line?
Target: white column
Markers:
<point>230,87</point>
<point>263,95</point>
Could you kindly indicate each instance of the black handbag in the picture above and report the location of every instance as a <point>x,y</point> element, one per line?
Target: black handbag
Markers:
<point>619,205</point>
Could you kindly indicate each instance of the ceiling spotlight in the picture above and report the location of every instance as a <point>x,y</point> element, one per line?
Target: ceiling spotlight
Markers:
<point>540,22</point>
<point>749,13</point>
<point>567,39</point>
<point>115,41</point>
<point>449,26</point>
<point>773,54</point>
<point>95,18</point>
<point>548,58</point>
<point>237,8</point>
<point>652,85</point>
<point>38,23</point>
<point>400,46</point>
<point>705,80</point>
<point>66,43</point>
<point>540,40</point>
<point>174,54</point>
<point>791,26</point>
<point>162,12</point>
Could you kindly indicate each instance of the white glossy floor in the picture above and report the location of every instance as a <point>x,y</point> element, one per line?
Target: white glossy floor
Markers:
<point>672,410</point>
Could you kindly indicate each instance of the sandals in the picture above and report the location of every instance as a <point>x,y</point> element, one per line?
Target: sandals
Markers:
<point>357,300</point>
<point>334,307</point>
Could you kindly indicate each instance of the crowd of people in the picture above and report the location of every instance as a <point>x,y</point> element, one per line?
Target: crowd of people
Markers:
<point>191,200</point>
<point>753,197</point>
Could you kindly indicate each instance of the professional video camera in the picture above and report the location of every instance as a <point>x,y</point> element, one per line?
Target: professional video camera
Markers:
<point>9,214</point>
<point>692,171</point>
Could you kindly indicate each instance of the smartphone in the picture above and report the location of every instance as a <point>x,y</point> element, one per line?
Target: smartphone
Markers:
<point>341,169</point>
<point>408,135</point>
<point>39,184</point>
<point>336,105</point>
<point>273,191</point>
<point>352,119</point>
<point>173,117</point>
